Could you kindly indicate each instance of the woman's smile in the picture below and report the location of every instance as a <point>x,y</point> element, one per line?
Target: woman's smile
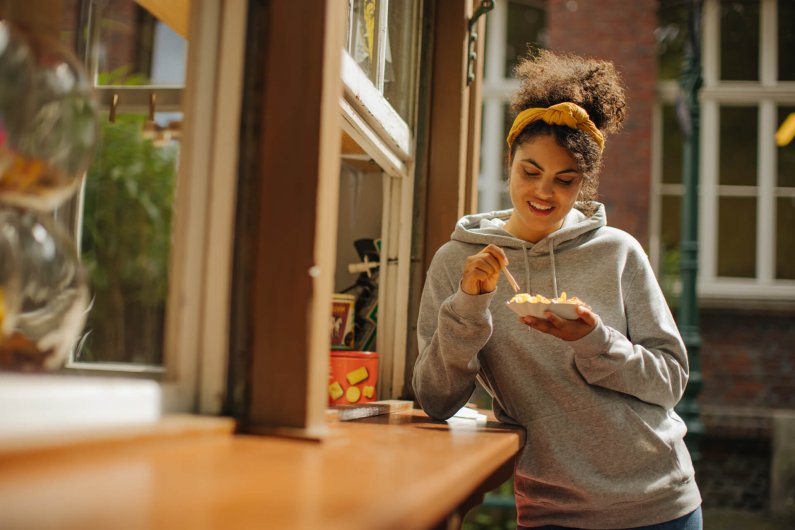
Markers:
<point>540,209</point>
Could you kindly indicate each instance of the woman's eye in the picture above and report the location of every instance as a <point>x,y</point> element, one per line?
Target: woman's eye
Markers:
<point>531,173</point>
<point>564,182</point>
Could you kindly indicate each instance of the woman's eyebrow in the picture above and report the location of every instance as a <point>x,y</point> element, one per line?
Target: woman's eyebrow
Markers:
<point>562,171</point>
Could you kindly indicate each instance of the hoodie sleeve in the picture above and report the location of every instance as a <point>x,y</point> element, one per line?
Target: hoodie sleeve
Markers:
<point>649,363</point>
<point>452,328</point>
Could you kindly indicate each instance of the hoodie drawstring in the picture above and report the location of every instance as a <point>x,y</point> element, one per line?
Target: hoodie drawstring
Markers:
<point>526,268</point>
<point>554,273</point>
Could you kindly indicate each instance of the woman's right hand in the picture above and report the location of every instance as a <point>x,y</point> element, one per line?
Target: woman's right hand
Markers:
<point>482,270</point>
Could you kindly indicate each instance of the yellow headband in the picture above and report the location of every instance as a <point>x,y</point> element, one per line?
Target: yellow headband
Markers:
<point>568,114</point>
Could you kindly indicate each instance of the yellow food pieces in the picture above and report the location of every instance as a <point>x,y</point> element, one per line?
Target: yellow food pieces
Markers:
<point>357,376</point>
<point>335,390</point>
<point>524,298</point>
<point>368,391</point>
<point>353,394</point>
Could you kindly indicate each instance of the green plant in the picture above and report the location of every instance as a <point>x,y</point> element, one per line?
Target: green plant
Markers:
<point>126,242</point>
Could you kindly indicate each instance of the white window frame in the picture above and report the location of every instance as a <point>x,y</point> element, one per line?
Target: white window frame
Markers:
<point>193,378</point>
<point>765,94</point>
<point>371,121</point>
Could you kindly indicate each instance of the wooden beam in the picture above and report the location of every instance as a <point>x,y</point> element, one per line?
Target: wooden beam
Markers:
<point>299,165</point>
<point>173,13</point>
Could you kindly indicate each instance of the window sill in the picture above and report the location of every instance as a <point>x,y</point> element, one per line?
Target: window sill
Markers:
<point>41,409</point>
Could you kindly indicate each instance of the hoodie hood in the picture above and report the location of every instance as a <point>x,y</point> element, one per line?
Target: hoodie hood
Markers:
<point>489,228</point>
<point>486,228</point>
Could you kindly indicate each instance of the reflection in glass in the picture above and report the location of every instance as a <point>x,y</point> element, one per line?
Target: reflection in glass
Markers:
<point>361,34</point>
<point>672,147</point>
<point>134,48</point>
<point>401,57</point>
<point>737,237</point>
<point>671,35</point>
<point>786,40</point>
<point>739,40</point>
<point>526,27</point>
<point>785,155</point>
<point>738,145</point>
<point>785,242</point>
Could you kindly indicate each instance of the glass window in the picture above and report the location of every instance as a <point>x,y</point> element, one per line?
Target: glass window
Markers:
<point>671,36</point>
<point>670,230</point>
<point>400,68</point>
<point>737,237</point>
<point>739,40</point>
<point>129,190</point>
<point>361,33</point>
<point>390,65</point>
<point>134,48</point>
<point>526,27</point>
<point>785,242</point>
<point>785,155</point>
<point>738,145</point>
<point>672,146</point>
<point>126,242</point>
<point>786,40</point>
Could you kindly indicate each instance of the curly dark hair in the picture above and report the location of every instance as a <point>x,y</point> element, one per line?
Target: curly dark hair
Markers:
<point>548,78</point>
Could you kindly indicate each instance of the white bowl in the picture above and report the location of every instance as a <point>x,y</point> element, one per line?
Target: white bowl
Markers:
<point>523,309</point>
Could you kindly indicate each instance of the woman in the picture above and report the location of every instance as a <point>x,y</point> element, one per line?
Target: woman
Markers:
<point>596,395</point>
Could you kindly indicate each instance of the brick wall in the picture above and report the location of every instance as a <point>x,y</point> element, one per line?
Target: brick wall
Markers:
<point>622,32</point>
<point>748,359</point>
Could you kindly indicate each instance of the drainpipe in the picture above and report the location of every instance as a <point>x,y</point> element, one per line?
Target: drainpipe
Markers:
<point>688,316</point>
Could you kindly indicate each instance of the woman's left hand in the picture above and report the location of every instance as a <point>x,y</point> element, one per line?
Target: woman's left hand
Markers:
<point>563,328</point>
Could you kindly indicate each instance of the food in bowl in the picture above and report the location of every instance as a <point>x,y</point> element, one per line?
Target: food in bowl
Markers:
<point>524,304</point>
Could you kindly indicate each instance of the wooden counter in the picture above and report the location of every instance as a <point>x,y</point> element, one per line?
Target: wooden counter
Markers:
<point>399,471</point>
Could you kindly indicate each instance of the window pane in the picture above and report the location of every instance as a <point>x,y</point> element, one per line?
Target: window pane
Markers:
<point>671,229</point>
<point>361,33</point>
<point>738,145</point>
<point>739,40</point>
<point>526,26</point>
<point>672,147</point>
<point>785,156</point>
<point>401,58</point>
<point>737,237</point>
<point>670,234</point>
<point>134,48</point>
<point>671,36</point>
<point>126,242</point>
<point>786,40</point>
<point>785,241</point>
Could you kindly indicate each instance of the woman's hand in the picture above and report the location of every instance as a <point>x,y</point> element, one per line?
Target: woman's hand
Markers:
<point>563,328</point>
<point>482,270</point>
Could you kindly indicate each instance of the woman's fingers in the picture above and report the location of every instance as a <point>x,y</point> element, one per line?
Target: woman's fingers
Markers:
<point>482,270</point>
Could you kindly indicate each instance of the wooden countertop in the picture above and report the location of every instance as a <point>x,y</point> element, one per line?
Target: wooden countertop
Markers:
<point>397,471</point>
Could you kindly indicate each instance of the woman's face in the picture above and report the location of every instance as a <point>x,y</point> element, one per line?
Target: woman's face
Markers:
<point>544,185</point>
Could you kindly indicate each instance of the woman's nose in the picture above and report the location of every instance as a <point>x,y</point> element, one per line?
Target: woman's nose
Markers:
<point>544,188</point>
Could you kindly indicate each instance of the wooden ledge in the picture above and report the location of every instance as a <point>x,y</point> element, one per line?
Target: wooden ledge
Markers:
<point>400,470</point>
<point>167,427</point>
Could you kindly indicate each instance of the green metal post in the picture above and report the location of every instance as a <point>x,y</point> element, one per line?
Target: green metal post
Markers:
<point>688,317</point>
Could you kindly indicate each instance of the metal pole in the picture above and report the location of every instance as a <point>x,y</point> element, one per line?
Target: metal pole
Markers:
<point>688,316</point>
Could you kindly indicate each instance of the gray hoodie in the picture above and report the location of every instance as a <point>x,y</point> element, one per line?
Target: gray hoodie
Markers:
<point>604,447</point>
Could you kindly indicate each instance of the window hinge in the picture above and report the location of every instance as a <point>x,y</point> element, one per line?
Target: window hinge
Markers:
<point>485,7</point>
